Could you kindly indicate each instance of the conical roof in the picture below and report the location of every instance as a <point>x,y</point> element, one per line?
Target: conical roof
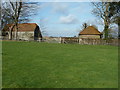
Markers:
<point>90,30</point>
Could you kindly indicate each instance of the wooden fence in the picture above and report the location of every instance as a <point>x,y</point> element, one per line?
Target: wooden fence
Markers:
<point>88,41</point>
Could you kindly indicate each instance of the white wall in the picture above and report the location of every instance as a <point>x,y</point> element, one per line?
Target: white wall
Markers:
<point>89,36</point>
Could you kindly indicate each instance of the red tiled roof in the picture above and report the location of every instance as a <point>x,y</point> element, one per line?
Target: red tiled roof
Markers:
<point>90,30</point>
<point>22,27</point>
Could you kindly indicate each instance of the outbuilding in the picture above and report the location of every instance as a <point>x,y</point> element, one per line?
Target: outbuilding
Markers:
<point>90,32</point>
<point>25,31</point>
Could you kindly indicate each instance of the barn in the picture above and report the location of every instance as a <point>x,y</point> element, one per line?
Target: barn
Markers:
<point>26,31</point>
<point>90,32</point>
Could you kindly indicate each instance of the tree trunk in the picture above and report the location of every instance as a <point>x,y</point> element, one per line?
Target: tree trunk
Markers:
<point>106,31</point>
<point>10,32</point>
<point>119,30</point>
<point>16,31</point>
<point>106,21</point>
<point>106,27</point>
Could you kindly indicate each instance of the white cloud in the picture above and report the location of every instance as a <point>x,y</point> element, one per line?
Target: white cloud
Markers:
<point>44,5</point>
<point>56,7</point>
<point>44,20</point>
<point>70,19</point>
<point>60,8</point>
<point>83,8</point>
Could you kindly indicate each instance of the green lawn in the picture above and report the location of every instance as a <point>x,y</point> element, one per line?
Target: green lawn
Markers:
<point>49,65</point>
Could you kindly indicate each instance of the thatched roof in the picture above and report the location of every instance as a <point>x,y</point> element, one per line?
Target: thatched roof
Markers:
<point>90,30</point>
<point>22,27</point>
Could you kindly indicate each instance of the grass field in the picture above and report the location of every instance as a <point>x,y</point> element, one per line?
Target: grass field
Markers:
<point>47,65</point>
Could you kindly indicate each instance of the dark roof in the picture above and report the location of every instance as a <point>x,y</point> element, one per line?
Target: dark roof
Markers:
<point>90,30</point>
<point>22,27</point>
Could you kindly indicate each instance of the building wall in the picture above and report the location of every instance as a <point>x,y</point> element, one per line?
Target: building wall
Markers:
<point>26,35</point>
<point>89,36</point>
<point>5,35</point>
<point>21,35</point>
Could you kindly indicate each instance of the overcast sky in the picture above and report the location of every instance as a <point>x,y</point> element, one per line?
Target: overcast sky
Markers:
<point>65,18</point>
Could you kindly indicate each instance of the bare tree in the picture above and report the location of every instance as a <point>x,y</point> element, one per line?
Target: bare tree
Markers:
<point>84,25</point>
<point>28,9</point>
<point>101,9</point>
<point>113,31</point>
<point>16,12</point>
<point>115,13</point>
<point>12,11</point>
<point>43,27</point>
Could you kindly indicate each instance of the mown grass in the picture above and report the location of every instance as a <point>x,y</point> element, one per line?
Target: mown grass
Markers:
<point>47,65</point>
